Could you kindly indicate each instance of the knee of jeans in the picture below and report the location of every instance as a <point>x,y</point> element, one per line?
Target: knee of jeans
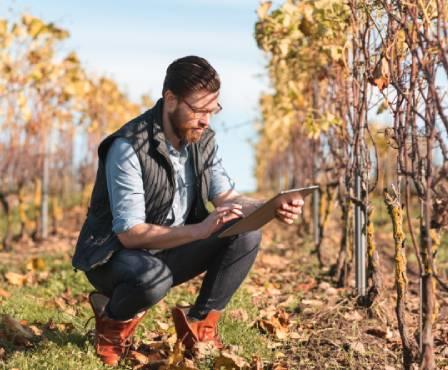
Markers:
<point>155,284</point>
<point>249,241</point>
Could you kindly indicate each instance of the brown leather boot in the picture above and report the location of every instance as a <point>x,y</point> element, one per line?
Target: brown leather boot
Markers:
<point>191,332</point>
<point>112,337</point>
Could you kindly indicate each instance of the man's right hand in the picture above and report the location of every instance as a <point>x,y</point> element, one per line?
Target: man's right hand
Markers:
<point>151,236</point>
<point>220,216</point>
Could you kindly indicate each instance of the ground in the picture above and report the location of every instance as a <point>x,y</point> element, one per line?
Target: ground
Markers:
<point>287,315</point>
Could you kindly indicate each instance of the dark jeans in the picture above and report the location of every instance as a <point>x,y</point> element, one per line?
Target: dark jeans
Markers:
<point>135,279</point>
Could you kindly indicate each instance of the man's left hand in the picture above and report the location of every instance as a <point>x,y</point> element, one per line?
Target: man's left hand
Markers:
<point>288,212</point>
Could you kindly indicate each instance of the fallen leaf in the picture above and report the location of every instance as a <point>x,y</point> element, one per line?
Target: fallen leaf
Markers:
<point>280,366</point>
<point>36,263</point>
<point>42,276</point>
<point>238,315</point>
<point>283,317</point>
<point>35,330</point>
<point>67,296</point>
<point>61,327</point>
<point>353,316</point>
<point>162,325</point>
<point>324,285</point>
<point>355,347</point>
<point>185,364</point>
<point>15,278</point>
<point>291,300</point>
<point>188,365</point>
<point>202,350</point>
<point>172,340</point>
<point>272,261</point>
<point>256,363</point>
<point>274,345</point>
<point>295,335</point>
<point>273,327</point>
<point>306,286</point>
<point>308,311</point>
<point>279,354</point>
<point>61,304</point>
<point>4,293</point>
<point>312,302</point>
<point>177,355</point>
<point>183,304</point>
<point>331,291</point>
<point>137,358</point>
<point>230,361</point>
<point>273,291</point>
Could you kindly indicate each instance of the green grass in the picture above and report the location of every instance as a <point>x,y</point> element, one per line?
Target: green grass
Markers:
<point>71,349</point>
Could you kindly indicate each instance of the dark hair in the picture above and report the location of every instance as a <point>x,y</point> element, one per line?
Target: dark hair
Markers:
<point>188,74</point>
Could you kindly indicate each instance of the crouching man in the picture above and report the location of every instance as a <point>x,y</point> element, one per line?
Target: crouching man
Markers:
<point>148,228</point>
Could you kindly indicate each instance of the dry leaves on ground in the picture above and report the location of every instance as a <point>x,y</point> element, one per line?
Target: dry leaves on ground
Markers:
<point>276,324</point>
<point>16,332</point>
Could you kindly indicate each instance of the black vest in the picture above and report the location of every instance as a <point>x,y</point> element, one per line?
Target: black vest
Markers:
<point>97,242</point>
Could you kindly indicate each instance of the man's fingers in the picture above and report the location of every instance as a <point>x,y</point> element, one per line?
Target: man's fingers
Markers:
<point>230,217</point>
<point>226,214</point>
<point>235,212</point>
<point>229,207</point>
<point>298,202</point>
<point>286,220</point>
<point>288,214</point>
<point>293,209</point>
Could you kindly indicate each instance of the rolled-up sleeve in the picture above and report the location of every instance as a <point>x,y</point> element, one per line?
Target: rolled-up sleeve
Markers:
<point>125,186</point>
<point>220,181</point>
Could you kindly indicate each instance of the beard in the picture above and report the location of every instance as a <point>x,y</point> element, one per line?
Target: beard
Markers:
<point>185,132</point>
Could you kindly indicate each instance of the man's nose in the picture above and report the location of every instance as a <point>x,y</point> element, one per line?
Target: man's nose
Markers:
<point>204,121</point>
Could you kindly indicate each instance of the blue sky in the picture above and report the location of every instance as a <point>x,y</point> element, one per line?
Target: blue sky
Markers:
<point>134,42</point>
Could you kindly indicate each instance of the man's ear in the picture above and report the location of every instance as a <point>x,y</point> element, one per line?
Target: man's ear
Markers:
<point>170,100</point>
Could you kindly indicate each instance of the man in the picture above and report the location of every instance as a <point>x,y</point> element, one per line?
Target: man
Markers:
<point>148,228</point>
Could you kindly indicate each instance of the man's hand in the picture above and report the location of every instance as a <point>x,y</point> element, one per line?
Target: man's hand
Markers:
<point>288,212</point>
<point>220,216</point>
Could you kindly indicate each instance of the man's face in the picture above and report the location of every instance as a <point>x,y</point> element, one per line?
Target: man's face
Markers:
<point>190,117</point>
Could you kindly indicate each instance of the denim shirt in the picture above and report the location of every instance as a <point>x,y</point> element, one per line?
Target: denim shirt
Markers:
<point>125,184</point>
<point>185,184</point>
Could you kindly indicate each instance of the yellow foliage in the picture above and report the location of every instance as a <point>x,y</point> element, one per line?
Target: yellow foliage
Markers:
<point>263,9</point>
<point>35,26</point>
<point>304,41</point>
<point>37,193</point>
<point>18,30</point>
<point>86,194</point>
<point>23,207</point>
<point>56,209</point>
<point>3,27</point>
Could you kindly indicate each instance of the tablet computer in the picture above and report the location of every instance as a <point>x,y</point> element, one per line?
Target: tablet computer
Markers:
<point>266,212</point>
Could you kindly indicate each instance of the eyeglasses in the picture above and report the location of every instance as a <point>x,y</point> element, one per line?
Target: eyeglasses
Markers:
<point>198,112</point>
